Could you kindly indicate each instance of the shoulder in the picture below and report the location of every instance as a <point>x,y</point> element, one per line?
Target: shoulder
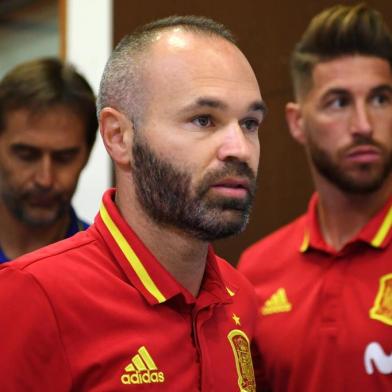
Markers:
<point>52,264</point>
<point>290,233</point>
<point>65,274</point>
<point>279,245</point>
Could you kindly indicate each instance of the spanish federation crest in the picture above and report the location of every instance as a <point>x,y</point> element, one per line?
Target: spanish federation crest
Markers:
<point>240,344</point>
<point>382,308</point>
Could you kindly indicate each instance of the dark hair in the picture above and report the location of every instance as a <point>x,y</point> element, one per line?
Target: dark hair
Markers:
<point>42,84</point>
<point>121,85</point>
<point>339,31</point>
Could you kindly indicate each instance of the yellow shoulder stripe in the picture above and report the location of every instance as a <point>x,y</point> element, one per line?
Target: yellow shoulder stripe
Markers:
<point>383,230</point>
<point>131,256</point>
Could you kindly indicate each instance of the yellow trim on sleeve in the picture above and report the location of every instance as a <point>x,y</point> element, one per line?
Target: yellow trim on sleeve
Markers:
<point>131,256</point>
<point>383,230</point>
<point>305,241</point>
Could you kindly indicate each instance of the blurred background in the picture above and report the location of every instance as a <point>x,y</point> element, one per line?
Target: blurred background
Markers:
<point>84,32</point>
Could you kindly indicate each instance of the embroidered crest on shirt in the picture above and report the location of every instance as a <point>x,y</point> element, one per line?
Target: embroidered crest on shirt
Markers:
<point>277,303</point>
<point>240,344</point>
<point>382,308</point>
<point>142,370</point>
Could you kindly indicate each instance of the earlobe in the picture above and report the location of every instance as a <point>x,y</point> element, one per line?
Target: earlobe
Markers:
<point>295,122</point>
<point>115,130</point>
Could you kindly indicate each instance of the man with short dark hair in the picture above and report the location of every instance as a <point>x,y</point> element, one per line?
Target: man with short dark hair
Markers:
<point>139,300</point>
<point>47,128</point>
<point>324,281</point>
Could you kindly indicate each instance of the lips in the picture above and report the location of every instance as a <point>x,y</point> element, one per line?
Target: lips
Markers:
<point>364,154</point>
<point>232,187</point>
<point>42,200</point>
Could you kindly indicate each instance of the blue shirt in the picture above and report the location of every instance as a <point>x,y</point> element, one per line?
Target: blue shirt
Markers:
<point>75,226</point>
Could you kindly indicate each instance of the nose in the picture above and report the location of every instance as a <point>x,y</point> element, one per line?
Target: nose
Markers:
<point>234,144</point>
<point>360,122</point>
<point>44,173</point>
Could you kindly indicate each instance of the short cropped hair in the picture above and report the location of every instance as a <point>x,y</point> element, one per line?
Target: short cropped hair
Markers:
<point>335,32</point>
<point>42,84</point>
<point>121,85</point>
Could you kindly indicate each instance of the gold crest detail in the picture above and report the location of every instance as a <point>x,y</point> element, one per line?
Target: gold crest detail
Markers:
<point>382,308</point>
<point>240,344</point>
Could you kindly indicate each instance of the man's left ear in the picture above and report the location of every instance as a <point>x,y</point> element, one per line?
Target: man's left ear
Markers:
<point>116,129</point>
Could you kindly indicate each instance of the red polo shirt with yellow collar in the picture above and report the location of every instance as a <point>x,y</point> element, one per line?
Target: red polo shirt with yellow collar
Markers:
<point>325,317</point>
<point>98,312</point>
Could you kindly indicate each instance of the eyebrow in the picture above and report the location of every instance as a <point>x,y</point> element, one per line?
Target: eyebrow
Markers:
<point>218,104</point>
<point>382,88</point>
<point>258,106</point>
<point>19,146</point>
<point>343,91</point>
<point>336,91</point>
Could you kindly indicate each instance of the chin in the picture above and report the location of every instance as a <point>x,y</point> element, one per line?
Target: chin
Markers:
<point>41,219</point>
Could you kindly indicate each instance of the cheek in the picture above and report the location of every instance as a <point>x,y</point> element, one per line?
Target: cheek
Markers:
<point>255,156</point>
<point>15,175</point>
<point>324,131</point>
<point>384,130</point>
<point>67,177</point>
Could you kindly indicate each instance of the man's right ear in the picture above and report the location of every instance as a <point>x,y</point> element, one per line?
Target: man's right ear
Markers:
<point>295,121</point>
<point>116,132</point>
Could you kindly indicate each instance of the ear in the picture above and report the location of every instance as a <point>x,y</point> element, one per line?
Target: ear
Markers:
<point>116,132</point>
<point>295,121</point>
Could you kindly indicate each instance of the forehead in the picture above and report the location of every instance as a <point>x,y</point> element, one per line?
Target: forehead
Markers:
<point>183,65</point>
<point>355,73</point>
<point>56,128</point>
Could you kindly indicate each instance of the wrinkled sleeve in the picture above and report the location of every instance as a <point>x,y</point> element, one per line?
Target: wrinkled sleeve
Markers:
<point>32,357</point>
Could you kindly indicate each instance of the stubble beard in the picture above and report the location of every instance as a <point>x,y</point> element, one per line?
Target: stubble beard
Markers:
<point>365,179</point>
<point>164,192</point>
<point>17,204</point>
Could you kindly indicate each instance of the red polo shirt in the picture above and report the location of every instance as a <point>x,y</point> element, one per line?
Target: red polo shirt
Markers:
<point>98,312</point>
<point>325,317</point>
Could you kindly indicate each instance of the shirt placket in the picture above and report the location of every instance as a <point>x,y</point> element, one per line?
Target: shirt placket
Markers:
<point>199,317</point>
<point>331,316</point>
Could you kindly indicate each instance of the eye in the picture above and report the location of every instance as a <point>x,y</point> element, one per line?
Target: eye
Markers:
<point>251,124</point>
<point>26,153</point>
<point>338,102</point>
<point>203,121</point>
<point>380,99</point>
<point>64,157</point>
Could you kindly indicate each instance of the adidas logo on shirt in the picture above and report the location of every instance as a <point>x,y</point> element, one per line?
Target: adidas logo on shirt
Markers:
<point>142,370</point>
<point>277,303</point>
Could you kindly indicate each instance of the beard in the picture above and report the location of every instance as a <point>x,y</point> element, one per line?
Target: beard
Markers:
<point>364,179</point>
<point>23,206</point>
<point>164,191</point>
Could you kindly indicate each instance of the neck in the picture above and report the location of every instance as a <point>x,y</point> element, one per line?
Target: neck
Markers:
<point>18,238</point>
<point>182,255</point>
<point>343,215</point>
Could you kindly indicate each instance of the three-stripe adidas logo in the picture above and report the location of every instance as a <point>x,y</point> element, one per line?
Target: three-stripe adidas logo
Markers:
<point>277,303</point>
<point>142,370</point>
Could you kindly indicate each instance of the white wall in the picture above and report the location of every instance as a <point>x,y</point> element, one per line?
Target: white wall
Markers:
<point>88,46</point>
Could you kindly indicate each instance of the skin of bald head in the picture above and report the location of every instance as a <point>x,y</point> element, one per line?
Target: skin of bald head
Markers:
<point>173,50</point>
<point>122,84</point>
